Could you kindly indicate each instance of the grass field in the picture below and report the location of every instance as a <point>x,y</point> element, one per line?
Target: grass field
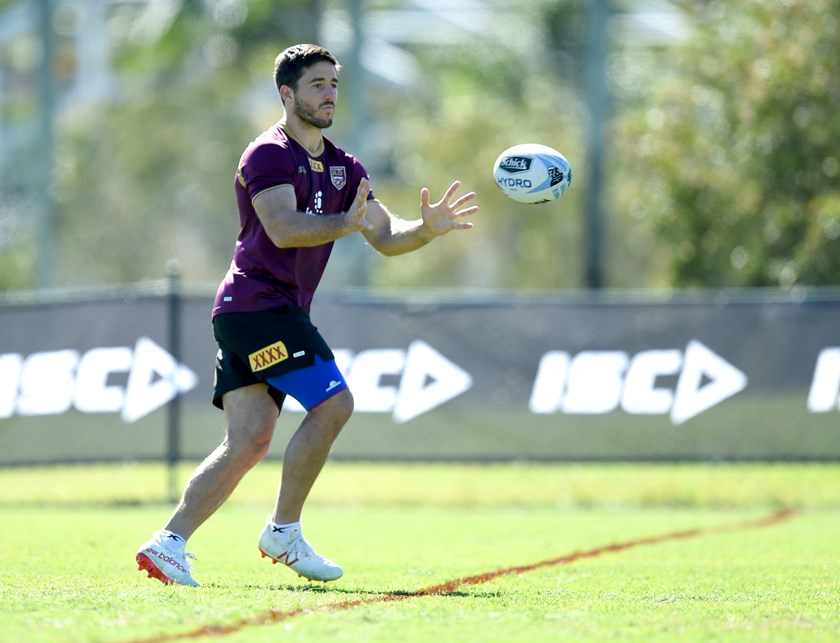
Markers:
<point>438,553</point>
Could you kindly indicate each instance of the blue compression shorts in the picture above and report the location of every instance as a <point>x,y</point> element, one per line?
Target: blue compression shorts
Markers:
<point>312,385</point>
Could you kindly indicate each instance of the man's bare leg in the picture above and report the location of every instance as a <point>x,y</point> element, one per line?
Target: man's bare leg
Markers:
<point>251,416</point>
<point>307,452</point>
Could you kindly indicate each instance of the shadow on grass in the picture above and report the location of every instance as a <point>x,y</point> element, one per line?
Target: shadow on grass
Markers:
<point>327,590</point>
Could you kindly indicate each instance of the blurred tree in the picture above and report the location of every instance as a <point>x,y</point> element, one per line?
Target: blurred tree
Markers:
<point>722,166</point>
<point>519,82</point>
<point>730,156</point>
<point>723,158</point>
<point>150,176</point>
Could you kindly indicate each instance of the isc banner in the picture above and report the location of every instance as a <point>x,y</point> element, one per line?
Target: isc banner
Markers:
<point>571,378</point>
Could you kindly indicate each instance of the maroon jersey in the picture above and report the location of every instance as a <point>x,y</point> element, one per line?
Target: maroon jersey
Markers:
<point>261,275</point>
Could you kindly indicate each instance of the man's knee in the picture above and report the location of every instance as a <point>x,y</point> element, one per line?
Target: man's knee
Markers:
<point>337,408</point>
<point>249,443</point>
<point>251,417</point>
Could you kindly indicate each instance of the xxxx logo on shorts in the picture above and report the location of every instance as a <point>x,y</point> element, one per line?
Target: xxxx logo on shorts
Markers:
<point>268,357</point>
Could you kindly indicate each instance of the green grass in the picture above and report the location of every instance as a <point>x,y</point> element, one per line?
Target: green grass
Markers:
<point>68,537</point>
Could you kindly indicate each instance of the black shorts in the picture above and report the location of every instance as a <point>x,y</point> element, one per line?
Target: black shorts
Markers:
<point>256,346</point>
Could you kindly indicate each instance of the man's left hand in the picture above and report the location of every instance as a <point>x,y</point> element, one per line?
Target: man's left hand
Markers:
<point>445,215</point>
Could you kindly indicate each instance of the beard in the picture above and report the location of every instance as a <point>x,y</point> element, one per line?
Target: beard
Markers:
<point>307,114</point>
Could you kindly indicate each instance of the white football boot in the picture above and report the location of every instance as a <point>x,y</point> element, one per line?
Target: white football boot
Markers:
<point>160,561</point>
<point>286,545</point>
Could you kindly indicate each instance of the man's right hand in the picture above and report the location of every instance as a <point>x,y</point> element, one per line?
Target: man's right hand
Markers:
<point>355,216</point>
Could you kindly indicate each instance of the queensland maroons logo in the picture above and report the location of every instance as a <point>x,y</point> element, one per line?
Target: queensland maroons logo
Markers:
<point>338,176</point>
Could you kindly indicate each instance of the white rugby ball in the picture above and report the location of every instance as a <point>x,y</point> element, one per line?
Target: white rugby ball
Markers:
<point>532,173</point>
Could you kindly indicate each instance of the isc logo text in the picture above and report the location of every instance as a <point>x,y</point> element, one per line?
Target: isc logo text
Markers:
<point>53,382</point>
<point>598,382</point>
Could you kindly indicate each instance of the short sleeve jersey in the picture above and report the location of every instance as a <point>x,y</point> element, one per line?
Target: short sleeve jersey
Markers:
<point>261,275</point>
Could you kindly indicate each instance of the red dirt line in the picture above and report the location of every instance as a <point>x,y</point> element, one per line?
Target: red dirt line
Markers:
<point>275,616</point>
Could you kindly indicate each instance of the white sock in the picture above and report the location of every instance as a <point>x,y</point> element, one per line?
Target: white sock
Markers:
<point>286,528</point>
<point>173,541</point>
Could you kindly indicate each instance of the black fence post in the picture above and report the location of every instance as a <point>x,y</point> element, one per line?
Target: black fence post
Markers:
<point>173,429</point>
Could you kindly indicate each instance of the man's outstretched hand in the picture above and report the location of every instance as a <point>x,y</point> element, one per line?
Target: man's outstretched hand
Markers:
<point>446,215</point>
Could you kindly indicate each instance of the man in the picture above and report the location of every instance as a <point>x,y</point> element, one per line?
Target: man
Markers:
<point>297,193</point>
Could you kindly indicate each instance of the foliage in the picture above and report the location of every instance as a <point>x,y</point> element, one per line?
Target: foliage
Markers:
<point>722,159</point>
<point>731,157</point>
<point>144,196</point>
<point>478,99</point>
<point>148,177</point>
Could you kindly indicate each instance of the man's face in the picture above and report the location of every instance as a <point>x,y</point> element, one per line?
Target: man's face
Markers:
<point>317,90</point>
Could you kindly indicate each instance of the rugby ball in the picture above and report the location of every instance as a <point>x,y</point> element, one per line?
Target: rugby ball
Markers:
<point>532,173</point>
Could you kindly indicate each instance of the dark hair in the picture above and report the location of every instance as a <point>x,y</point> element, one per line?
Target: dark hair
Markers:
<point>290,64</point>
